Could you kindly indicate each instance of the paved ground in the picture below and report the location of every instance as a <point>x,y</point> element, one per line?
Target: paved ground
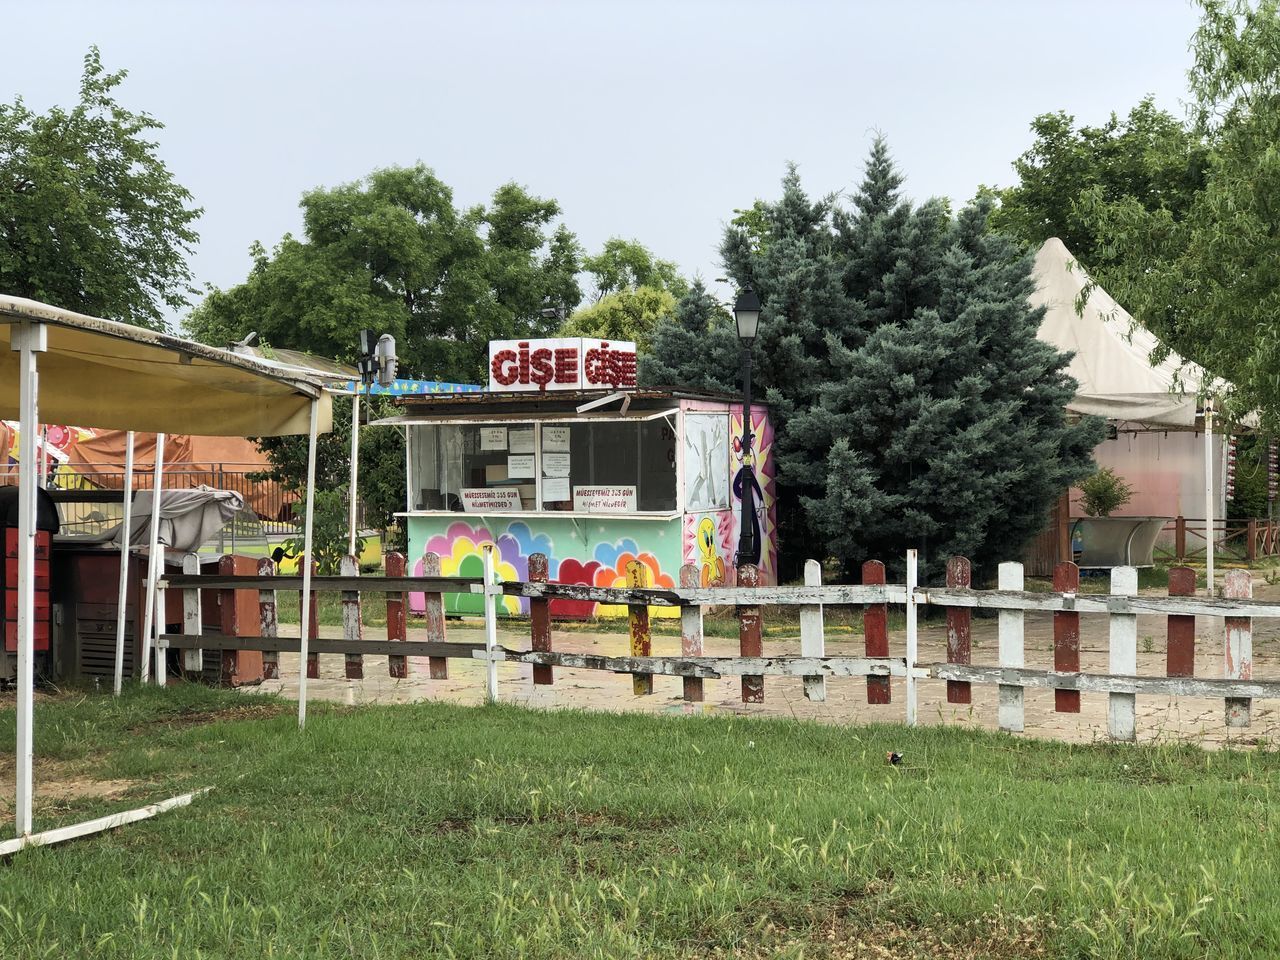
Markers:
<point>1195,719</point>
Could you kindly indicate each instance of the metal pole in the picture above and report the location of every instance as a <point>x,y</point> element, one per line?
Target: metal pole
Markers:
<point>123,594</point>
<point>154,569</point>
<point>355,468</point>
<point>306,557</point>
<point>1208,495</point>
<point>746,539</point>
<point>912,579</point>
<point>29,339</point>
<point>490,627</point>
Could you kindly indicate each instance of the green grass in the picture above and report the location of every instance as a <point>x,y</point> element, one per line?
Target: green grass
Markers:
<point>432,830</point>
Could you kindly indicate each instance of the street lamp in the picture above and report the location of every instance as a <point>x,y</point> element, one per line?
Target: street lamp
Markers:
<point>746,314</point>
<point>377,361</point>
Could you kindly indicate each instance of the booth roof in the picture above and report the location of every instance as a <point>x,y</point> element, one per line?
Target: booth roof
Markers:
<point>550,403</point>
<point>101,373</point>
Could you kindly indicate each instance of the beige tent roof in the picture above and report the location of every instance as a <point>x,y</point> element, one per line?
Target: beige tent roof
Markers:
<point>1111,362</point>
<point>105,374</point>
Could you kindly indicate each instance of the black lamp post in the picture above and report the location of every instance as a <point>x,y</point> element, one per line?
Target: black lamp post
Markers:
<point>746,313</point>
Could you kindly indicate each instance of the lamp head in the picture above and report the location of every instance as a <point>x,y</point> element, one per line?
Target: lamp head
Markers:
<point>746,314</point>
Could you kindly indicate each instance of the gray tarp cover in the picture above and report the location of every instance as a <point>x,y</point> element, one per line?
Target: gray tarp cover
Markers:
<point>187,517</point>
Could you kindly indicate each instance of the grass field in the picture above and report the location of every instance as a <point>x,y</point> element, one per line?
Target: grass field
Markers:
<point>432,830</point>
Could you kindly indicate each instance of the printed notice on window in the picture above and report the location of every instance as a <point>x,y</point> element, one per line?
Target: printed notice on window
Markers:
<point>490,499</point>
<point>555,489</point>
<point>520,440</point>
<point>493,438</point>
<point>555,465</point>
<point>520,467</point>
<point>555,439</point>
<point>604,499</point>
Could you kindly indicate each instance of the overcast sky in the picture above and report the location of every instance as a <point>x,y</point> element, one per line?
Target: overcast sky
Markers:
<point>649,120</point>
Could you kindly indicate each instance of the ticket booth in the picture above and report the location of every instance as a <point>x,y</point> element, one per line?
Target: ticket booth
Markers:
<point>562,455</point>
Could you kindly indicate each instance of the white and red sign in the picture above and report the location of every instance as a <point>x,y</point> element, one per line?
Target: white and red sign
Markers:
<point>490,499</point>
<point>604,499</point>
<point>561,363</point>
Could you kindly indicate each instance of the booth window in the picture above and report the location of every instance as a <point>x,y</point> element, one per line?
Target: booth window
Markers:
<point>638,458</point>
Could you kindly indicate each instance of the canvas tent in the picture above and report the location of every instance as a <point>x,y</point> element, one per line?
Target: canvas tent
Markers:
<point>63,367</point>
<point>1160,445</point>
<point>1112,353</point>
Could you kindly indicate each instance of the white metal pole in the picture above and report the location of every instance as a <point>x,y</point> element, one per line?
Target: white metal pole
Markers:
<point>29,339</point>
<point>44,458</point>
<point>306,559</point>
<point>153,567</point>
<point>127,528</point>
<point>355,467</point>
<point>490,627</point>
<point>912,579</point>
<point>1208,495</point>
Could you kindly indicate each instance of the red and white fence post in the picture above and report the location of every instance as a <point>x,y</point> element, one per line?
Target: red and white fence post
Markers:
<point>691,632</point>
<point>959,640</point>
<point>397,620</point>
<point>875,631</point>
<point>750,634</point>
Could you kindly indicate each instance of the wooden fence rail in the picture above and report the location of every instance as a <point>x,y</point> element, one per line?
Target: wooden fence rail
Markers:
<point>1236,686</point>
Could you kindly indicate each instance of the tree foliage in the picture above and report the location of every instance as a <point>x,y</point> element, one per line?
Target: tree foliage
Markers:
<point>629,314</point>
<point>392,253</point>
<point>915,405</point>
<point>627,265</point>
<point>1197,261</point>
<point>1149,157</point>
<point>697,348</point>
<point>90,218</point>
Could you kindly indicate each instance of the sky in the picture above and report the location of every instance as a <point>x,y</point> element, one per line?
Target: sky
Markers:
<point>647,120</point>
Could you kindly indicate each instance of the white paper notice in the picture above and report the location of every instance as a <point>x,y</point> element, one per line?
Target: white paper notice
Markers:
<point>555,439</point>
<point>520,467</point>
<point>493,438</point>
<point>555,465</point>
<point>555,490</point>
<point>490,499</point>
<point>520,439</point>
<point>604,499</point>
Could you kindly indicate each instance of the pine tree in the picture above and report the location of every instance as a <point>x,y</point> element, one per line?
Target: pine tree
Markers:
<point>947,429</point>
<point>696,350</point>
<point>915,406</point>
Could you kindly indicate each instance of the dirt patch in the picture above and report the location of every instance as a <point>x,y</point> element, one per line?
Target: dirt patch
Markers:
<point>582,820</point>
<point>195,718</point>
<point>846,930</point>
<point>58,782</point>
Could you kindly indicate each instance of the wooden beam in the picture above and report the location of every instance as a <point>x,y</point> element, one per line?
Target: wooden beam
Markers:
<point>1107,683</point>
<point>713,667</point>
<point>363,584</point>
<point>1096,603</point>
<point>89,827</point>
<point>370,648</point>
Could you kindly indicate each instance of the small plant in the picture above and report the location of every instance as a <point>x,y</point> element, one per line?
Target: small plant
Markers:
<point>1104,492</point>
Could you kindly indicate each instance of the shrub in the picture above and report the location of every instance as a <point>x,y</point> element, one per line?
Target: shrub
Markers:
<point>1104,492</point>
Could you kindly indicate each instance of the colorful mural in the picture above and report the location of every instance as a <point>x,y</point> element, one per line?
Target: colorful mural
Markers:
<point>573,556</point>
<point>765,491</point>
<point>708,545</point>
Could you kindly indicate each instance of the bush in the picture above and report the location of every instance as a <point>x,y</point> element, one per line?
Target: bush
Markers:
<point>1104,492</point>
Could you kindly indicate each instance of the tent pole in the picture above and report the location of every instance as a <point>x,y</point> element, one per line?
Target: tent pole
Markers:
<point>1208,496</point>
<point>154,569</point>
<point>29,339</point>
<point>355,467</point>
<point>126,527</point>
<point>44,458</point>
<point>308,552</point>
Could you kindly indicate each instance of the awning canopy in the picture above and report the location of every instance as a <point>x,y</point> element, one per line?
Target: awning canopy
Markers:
<point>104,374</point>
<point>1112,352</point>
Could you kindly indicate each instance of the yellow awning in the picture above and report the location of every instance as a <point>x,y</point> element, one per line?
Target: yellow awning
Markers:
<point>100,373</point>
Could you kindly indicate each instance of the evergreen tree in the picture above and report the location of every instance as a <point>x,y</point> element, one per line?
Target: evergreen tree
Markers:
<point>915,406</point>
<point>697,349</point>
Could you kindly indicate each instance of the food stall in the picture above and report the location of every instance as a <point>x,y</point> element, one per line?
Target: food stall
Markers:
<point>563,455</point>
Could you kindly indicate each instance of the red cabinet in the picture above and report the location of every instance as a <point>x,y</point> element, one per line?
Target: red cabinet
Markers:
<point>9,582</point>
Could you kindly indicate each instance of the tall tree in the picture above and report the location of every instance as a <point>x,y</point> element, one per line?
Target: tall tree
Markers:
<point>1150,158</point>
<point>631,314</point>
<point>696,349</point>
<point>898,352</point>
<point>90,218</point>
<point>1206,281</point>
<point>392,253</point>
<point>627,264</point>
